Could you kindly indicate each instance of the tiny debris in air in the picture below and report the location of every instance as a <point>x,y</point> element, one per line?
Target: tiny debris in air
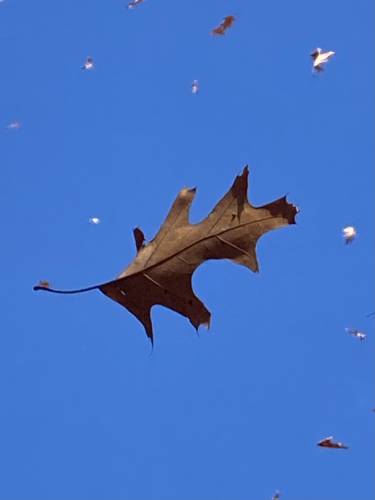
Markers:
<point>195,87</point>
<point>320,58</point>
<point>328,442</point>
<point>349,233</point>
<point>356,333</point>
<point>14,125</point>
<point>89,64</point>
<point>94,220</point>
<point>134,3</point>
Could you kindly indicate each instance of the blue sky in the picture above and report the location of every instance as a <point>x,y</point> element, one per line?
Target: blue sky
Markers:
<point>234,413</point>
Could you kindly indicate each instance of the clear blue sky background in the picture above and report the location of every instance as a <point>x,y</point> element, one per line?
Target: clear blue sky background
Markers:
<point>234,413</point>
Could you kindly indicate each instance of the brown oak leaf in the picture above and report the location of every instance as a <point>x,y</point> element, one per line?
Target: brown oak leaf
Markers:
<point>162,270</point>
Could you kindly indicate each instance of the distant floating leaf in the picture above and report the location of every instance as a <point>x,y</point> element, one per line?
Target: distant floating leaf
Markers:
<point>320,58</point>
<point>14,125</point>
<point>195,87</point>
<point>134,3</point>
<point>89,64</point>
<point>329,443</point>
<point>356,333</point>
<point>349,233</point>
<point>226,23</point>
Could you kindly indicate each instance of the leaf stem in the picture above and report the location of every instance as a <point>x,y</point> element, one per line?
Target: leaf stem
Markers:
<point>79,290</point>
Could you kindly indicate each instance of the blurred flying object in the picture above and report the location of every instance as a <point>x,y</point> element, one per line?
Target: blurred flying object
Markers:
<point>94,220</point>
<point>349,233</point>
<point>329,443</point>
<point>14,125</point>
<point>319,58</point>
<point>356,333</point>
<point>226,23</point>
<point>44,283</point>
<point>276,496</point>
<point>195,87</point>
<point>134,3</point>
<point>89,64</point>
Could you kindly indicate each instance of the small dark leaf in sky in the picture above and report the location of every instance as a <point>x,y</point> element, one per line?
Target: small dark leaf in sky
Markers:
<point>226,23</point>
<point>329,443</point>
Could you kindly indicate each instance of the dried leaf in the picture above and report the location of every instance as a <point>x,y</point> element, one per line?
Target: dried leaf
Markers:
<point>195,87</point>
<point>320,58</point>
<point>161,272</point>
<point>133,3</point>
<point>356,333</point>
<point>226,23</point>
<point>329,443</point>
<point>349,233</point>
<point>89,64</point>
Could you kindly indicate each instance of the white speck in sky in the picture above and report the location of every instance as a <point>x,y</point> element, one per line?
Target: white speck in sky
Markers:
<point>356,333</point>
<point>319,58</point>
<point>195,87</point>
<point>349,233</point>
<point>134,3</point>
<point>89,64</point>
<point>14,125</point>
<point>94,220</point>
